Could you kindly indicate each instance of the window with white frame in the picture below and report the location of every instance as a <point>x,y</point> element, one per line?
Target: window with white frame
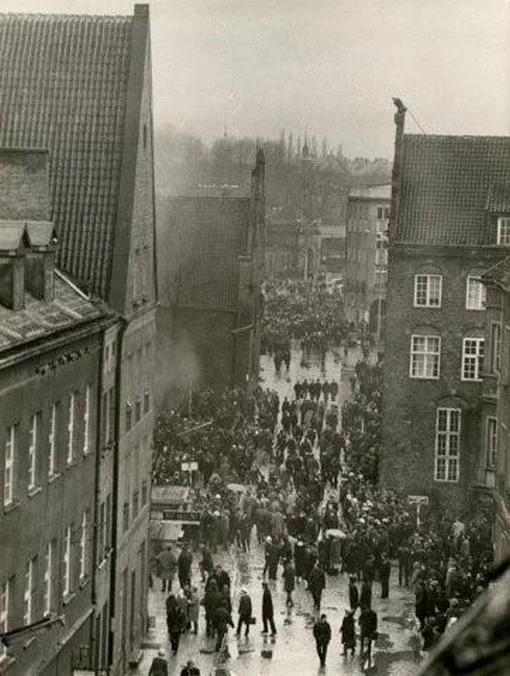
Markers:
<point>4,607</point>
<point>83,546</point>
<point>86,421</point>
<point>380,278</point>
<point>33,435</point>
<point>28,592</point>
<point>52,441</point>
<point>428,290</point>
<point>9,460</point>
<point>491,445</point>
<point>425,357</point>
<point>504,230</point>
<point>66,587</point>
<point>495,347</point>
<point>476,293</point>
<point>70,429</point>
<point>48,579</point>
<point>472,358</point>
<point>448,422</point>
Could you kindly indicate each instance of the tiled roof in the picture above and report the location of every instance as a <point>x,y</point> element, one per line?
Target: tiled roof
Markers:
<point>40,318</point>
<point>207,236</point>
<point>498,200</point>
<point>446,184</point>
<point>63,86</point>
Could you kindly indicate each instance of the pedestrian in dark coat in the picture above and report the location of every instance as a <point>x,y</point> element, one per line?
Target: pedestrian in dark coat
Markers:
<point>184,566</point>
<point>384,576</point>
<point>322,635</point>
<point>366,594</point>
<point>316,584</point>
<point>353,593</point>
<point>159,666</point>
<point>368,628</point>
<point>222,619</point>
<point>348,633</point>
<point>267,610</point>
<point>244,613</point>
<point>206,564</point>
<point>289,582</point>
<point>299,560</point>
<point>211,602</point>
<point>176,621</point>
<point>333,390</point>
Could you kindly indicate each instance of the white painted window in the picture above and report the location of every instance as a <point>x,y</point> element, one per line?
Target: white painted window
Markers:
<point>9,460</point>
<point>476,293</point>
<point>66,588</point>
<point>70,429</point>
<point>52,439</point>
<point>504,230</point>
<point>32,451</point>
<point>448,422</point>
<point>425,357</point>
<point>472,358</point>
<point>428,290</point>
<point>48,582</point>
<point>491,444</point>
<point>4,608</point>
<point>83,546</point>
<point>28,593</point>
<point>86,421</point>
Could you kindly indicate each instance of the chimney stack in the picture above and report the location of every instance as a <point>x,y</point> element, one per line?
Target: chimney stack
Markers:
<point>12,264</point>
<point>400,117</point>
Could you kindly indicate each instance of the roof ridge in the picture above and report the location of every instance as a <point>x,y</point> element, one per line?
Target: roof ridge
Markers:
<point>63,15</point>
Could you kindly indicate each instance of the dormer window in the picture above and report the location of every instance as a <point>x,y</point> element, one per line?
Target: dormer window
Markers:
<point>504,230</point>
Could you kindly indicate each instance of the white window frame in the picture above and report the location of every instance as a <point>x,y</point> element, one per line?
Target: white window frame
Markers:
<point>496,336</point>
<point>32,452</point>
<point>427,355</point>
<point>66,587</point>
<point>4,608</point>
<point>86,421</point>
<point>52,440</point>
<point>467,358</point>
<point>503,231</point>
<point>491,442</point>
<point>481,298</point>
<point>70,429</point>
<point>9,458</point>
<point>27,593</point>
<point>428,278</point>
<point>48,582</point>
<point>83,546</point>
<point>448,456</point>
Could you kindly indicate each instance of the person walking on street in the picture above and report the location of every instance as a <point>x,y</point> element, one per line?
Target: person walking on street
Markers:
<point>159,666</point>
<point>194,609</point>
<point>267,610</point>
<point>289,583</point>
<point>348,632</point>
<point>353,593</point>
<point>222,619</point>
<point>316,584</point>
<point>322,635</point>
<point>384,576</point>
<point>184,566</point>
<point>175,621</point>
<point>366,594</point>
<point>190,669</point>
<point>404,559</point>
<point>245,612</point>
<point>368,627</point>
<point>167,565</point>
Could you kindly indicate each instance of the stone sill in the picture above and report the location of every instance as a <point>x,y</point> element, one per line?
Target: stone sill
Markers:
<point>6,663</point>
<point>68,598</point>
<point>54,477</point>
<point>11,506</point>
<point>84,581</point>
<point>34,491</point>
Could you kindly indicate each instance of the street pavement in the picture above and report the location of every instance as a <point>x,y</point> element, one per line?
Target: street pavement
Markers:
<point>293,650</point>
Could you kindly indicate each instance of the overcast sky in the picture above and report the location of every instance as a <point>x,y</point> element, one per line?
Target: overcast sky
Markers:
<point>330,66</point>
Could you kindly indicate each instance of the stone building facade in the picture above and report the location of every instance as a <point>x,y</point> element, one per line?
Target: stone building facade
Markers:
<point>446,229</point>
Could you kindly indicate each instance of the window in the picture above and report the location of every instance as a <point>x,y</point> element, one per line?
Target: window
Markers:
<point>381,256</point>
<point>32,450</point>
<point>380,278</point>
<point>475,294</point>
<point>86,421</point>
<point>83,546</point>
<point>495,348</point>
<point>126,516</point>
<point>108,524</point>
<point>146,401</point>
<point>52,439</point>
<point>29,592</point>
<point>447,444</point>
<point>144,492</point>
<point>129,416</point>
<point>504,230</point>
<point>48,578</point>
<point>428,290</point>
<point>66,588</point>
<point>70,430</point>
<point>491,444</point>
<point>4,607</point>
<point>138,409</point>
<point>425,352</point>
<point>383,212</point>
<point>10,452</point>
<point>135,503</point>
<point>100,534</point>
<point>472,358</point>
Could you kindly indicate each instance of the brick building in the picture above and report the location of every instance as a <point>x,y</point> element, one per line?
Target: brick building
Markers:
<point>80,86</point>
<point>366,254</point>
<point>446,229</point>
<point>211,306</point>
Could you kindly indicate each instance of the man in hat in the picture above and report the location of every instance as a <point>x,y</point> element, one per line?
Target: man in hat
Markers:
<point>267,610</point>
<point>159,666</point>
<point>190,669</point>
<point>245,612</point>
<point>322,635</point>
<point>348,632</point>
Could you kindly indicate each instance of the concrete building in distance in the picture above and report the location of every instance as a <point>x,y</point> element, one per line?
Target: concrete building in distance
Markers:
<point>80,86</point>
<point>51,351</point>
<point>210,303</point>
<point>366,254</point>
<point>449,224</point>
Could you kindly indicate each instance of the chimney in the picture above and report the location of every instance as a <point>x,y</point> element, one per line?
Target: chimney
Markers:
<point>12,265</point>
<point>400,117</point>
<point>40,260</point>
